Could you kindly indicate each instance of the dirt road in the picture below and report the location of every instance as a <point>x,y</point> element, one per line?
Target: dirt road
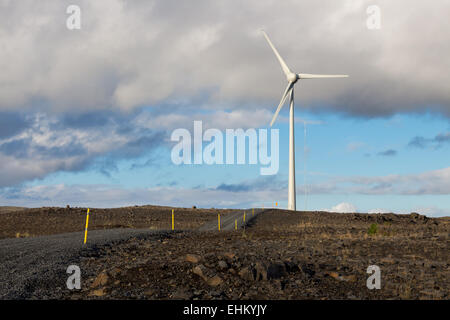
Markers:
<point>235,220</point>
<point>30,267</point>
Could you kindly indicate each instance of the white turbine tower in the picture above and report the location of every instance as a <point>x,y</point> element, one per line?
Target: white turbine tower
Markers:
<point>292,78</point>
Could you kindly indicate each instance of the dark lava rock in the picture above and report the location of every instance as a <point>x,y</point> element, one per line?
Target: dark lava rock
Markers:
<point>222,265</point>
<point>215,293</point>
<point>247,273</point>
<point>201,271</point>
<point>276,270</point>
<point>261,271</point>
<point>308,269</point>
<point>291,266</point>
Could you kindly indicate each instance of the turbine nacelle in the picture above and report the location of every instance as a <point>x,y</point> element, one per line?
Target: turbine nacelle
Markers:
<point>292,77</point>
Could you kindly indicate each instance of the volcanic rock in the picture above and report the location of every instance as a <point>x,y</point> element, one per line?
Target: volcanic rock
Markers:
<point>193,258</point>
<point>214,281</point>
<point>222,265</point>
<point>261,271</point>
<point>101,280</point>
<point>276,271</point>
<point>246,273</point>
<point>199,270</point>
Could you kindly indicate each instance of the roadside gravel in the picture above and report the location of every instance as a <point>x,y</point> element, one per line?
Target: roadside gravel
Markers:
<point>36,267</point>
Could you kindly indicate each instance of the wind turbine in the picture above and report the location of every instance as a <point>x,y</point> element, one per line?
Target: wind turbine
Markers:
<point>292,78</point>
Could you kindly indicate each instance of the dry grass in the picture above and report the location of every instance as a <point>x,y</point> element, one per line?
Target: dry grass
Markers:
<point>6,209</point>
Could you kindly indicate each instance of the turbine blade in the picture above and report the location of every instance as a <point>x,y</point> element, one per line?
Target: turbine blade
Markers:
<point>283,99</point>
<point>280,59</point>
<point>317,76</point>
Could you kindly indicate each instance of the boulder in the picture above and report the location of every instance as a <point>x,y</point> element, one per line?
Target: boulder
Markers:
<point>340,277</point>
<point>214,281</point>
<point>261,271</point>
<point>193,258</point>
<point>200,270</point>
<point>246,273</point>
<point>222,265</point>
<point>98,293</point>
<point>229,255</point>
<point>291,266</point>
<point>276,270</point>
<point>101,280</point>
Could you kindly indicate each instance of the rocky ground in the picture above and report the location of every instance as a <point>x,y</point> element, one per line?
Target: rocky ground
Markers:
<point>281,255</point>
<point>18,222</point>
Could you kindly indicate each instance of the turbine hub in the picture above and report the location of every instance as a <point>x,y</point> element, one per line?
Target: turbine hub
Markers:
<point>292,77</point>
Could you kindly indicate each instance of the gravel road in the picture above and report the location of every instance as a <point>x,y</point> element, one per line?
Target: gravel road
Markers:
<point>228,222</point>
<point>36,267</point>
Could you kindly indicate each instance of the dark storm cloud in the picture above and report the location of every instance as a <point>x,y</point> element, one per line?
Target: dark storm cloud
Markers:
<point>16,148</point>
<point>153,53</point>
<point>61,143</point>
<point>21,148</point>
<point>70,150</point>
<point>12,123</point>
<point>136,146</point>
<point>86,120</point>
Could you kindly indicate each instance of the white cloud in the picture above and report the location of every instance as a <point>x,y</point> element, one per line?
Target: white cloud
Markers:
<point>115,196</point>
<point>431,211</point>
<point>378,211</point>
<point>343,207</point>
<point>434,182</point>
<point>429,182</point>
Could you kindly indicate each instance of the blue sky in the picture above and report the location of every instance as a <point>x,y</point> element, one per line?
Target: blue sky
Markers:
<point>338,147</point>
<point>86,119</point>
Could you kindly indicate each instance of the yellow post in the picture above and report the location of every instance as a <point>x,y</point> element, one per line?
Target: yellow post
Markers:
<point>253,211</point>
<point>235,224</point>
<point>86,229</point>
<point>218,221</point>
<point>244,216</point>
<point>173,221</point>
